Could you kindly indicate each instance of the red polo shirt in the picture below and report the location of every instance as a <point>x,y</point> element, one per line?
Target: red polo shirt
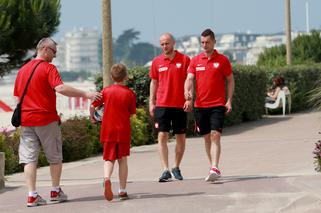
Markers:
<point>119,103</point>
<point>210,77</point>
<point>39,103</point>
<point>171,75</point>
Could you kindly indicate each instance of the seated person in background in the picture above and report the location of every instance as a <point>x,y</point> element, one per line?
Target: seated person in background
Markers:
<point>278,85</point>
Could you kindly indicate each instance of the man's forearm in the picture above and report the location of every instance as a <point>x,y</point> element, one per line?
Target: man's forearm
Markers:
<point>71,91</point>
<point>152,92</point>
<point>188,87</point>
<point>230,88</point>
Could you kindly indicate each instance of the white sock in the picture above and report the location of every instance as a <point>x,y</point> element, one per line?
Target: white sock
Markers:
<point>55,188</point>
<point>122,190</point>
<point>33,194</point>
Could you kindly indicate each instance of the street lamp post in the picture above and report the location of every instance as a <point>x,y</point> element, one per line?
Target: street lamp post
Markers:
<point>107,42</point>
<point>288,32</point>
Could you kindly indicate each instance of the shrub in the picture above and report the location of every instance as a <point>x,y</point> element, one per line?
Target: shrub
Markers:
<point>9,144</point>
<point>141,132</point>
<point>139,82</point>
<point>79,138</point>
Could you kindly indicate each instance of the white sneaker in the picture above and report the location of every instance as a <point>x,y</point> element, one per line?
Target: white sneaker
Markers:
<point>58,196</point>
<point>213,175</point>
<point>36,201</point>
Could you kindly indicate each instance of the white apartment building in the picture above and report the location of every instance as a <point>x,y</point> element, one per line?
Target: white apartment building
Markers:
<point>234,45</point>
<point>60,59</point>
<point>190,45</point>
<point>79,51</point>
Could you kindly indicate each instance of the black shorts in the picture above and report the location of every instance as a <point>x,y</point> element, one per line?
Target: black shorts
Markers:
<point>167,118</point>
<point>208,119</point>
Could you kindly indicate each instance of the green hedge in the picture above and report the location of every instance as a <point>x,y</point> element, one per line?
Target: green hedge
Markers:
<point>9,144</point>
<point>139,82</point>
<point>249,95</point>
<point>141,128</point>
<point>79,138</point>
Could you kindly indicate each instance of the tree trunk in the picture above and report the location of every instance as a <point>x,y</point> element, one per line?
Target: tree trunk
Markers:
<point>288,32</point>
<point>107,42</point>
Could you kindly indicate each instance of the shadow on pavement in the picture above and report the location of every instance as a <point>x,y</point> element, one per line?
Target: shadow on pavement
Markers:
<point>8,189</point>
<point>246,126</point>
<point>135,196</point>
<point>149,196</point>
<point>228,179</point>
<point>82,199</point>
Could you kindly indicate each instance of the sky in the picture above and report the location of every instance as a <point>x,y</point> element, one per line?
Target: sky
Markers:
<point>188,17</point>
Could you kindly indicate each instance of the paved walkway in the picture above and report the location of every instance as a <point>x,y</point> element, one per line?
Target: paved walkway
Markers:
<point>267,166</point>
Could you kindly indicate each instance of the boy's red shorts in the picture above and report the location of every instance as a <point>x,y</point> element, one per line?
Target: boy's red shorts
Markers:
<point>115,150</point>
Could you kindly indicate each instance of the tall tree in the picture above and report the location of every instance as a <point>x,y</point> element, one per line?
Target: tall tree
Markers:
<point>123,44</point>
<point>141,53</point>
<point>22,25</point>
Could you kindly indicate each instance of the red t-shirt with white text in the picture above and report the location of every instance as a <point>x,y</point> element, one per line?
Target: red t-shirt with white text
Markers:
<point>210,75</point>
<point>39,104</point>
<point>119,103</point>
<point>171,75</point>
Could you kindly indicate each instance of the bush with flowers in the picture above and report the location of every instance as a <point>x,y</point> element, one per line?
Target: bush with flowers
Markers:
<point>317,156</point>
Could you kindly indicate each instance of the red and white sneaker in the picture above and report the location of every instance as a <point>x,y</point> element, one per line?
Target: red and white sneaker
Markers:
<point>213,174</point>
<point>58,196</point>
<point>107,190</point>
<point>123,196</point>
<point>36,201</point>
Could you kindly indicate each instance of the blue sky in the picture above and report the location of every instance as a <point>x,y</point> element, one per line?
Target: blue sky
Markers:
<point>189,17</point>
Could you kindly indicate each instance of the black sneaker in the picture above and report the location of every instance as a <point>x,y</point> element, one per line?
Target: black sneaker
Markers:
<point>177,173</point>
<point>166,176</point>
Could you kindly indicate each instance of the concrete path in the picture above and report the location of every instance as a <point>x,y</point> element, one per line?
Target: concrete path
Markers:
<point>267,166</point>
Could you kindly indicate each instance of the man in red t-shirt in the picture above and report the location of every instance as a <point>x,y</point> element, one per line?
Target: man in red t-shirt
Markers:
<point>210,70</point>
<point>40,122</point>
<point>115,133</point>
<point>167,103</point>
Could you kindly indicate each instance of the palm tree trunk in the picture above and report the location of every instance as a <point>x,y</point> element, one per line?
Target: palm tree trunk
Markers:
<point>107,42</point>
<point>288,32</point>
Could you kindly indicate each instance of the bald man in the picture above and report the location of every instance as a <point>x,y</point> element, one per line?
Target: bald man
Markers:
<point>167,104</point>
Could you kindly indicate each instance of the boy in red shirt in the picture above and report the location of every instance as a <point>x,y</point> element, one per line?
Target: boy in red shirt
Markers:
<point>115,135</point>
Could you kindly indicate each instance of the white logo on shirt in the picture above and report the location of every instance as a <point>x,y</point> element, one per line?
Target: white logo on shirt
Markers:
<point>200,68</point>
<point>215,65</point>
<point>178,65</point>
<point>162,69</point>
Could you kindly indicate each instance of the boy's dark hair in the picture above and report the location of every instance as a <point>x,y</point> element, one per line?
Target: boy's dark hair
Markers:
<point>118,72</point>
<point>208,32</point>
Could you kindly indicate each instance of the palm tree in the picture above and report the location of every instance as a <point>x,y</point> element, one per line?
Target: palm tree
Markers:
<point>107,41</point>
